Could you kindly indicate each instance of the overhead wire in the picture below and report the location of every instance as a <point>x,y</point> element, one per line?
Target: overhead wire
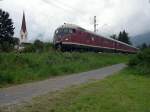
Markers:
<point>65,9</point>
<point>69,7</point>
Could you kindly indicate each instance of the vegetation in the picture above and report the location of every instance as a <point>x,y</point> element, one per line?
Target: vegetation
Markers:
<point>126,91</point>
<point>123,37</point>
<point>25,67</point>
<point>114,36</point>
<point>37,47</point>
<point>141,62</point>
<point>144,46</point>
<point>6,32</point>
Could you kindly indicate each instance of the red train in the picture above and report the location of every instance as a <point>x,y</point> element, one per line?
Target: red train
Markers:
<point>72,37</point>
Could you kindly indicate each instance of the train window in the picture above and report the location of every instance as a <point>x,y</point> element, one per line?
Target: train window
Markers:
<point>73,30</point>
<point>56,32</point>
<point>66,30</point>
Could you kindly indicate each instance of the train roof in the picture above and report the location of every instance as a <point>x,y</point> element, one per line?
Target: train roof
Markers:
<point>69,26</point>
<point>80,28</point>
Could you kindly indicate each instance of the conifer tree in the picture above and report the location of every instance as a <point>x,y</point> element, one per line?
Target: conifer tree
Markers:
<point>124,37</point>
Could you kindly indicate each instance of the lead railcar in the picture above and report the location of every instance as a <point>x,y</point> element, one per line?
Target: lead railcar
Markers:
<point>73,37</point>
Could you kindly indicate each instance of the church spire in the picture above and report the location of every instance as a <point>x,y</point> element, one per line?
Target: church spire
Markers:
<point>23,31</point>
<point>23,27</point>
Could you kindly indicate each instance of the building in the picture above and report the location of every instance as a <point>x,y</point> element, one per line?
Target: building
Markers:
<point>23,31</point>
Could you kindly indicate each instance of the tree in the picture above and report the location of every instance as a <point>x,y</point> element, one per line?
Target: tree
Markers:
<point>39,45</point>
<point>16,41</point>
<point>120,37</point>
<point>114,36</point>
<point>144,46</point>
<point>6,31</point>
<point>123,37</point>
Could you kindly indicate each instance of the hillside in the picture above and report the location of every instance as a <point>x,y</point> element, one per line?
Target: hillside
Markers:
<point>140,39</point>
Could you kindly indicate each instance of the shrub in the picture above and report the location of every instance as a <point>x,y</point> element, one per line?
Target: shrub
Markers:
<point>141,62</point>
<point>6,46</point>
<point>39,46</point>
<point>29,48</point>
<point>6,78</point>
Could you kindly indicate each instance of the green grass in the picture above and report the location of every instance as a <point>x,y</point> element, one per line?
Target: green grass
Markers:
<point>26,67</point>
<point>126,91</point>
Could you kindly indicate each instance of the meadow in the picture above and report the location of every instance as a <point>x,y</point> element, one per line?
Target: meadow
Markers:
<point>17,68</point>
<point>123,92</point>
<point>126,91</point>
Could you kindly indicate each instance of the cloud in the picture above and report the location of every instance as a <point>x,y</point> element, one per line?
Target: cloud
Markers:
<point>44,16</point>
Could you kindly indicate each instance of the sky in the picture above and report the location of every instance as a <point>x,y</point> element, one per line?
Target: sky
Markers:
<point>113,16</point>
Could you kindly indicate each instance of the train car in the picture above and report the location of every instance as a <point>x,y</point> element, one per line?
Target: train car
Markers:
<point>73,37</point>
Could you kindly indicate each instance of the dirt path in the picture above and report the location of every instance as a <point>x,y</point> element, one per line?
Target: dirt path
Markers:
<point>25,92</point>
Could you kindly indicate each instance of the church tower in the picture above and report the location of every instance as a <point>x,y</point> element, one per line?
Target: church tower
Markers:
<point>23,31</point>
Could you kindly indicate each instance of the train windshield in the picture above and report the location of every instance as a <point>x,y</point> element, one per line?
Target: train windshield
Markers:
<point>64,31</point>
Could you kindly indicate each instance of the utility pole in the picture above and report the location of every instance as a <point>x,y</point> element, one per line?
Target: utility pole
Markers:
<point>95,24</point>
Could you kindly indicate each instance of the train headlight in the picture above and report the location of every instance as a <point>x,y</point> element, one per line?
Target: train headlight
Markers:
<point>66,39</point>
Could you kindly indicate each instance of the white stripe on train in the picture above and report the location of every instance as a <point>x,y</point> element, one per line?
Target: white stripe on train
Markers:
<point>73,43</point>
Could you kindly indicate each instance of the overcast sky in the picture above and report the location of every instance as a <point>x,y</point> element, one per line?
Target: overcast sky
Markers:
<point>44,16</point>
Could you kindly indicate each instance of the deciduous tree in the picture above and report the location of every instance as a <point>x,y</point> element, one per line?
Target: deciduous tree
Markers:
<point>6,31</point>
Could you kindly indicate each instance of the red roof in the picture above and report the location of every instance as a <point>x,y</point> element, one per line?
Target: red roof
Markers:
<point>23,27</point>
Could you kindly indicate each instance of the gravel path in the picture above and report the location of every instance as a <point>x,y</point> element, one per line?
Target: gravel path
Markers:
<point>26,92</point>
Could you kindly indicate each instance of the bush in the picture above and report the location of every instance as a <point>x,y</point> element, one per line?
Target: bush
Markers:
<point>38,47</point>
<point>6,46</point>
<point>29,49</point>
<point>6,78</point>
<point>141,62</point>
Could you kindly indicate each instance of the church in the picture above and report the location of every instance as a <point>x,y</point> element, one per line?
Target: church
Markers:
<point>23,31</point>
<point>23,34</point>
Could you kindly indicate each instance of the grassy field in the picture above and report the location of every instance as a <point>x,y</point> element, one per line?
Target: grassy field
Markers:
<point>18,68</point>
<point>126,91</point>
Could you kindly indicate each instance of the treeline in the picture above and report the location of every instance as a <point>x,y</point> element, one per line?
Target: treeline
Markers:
<point>38,47</point>
<point>123,37</point>
<point>143,46</point>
